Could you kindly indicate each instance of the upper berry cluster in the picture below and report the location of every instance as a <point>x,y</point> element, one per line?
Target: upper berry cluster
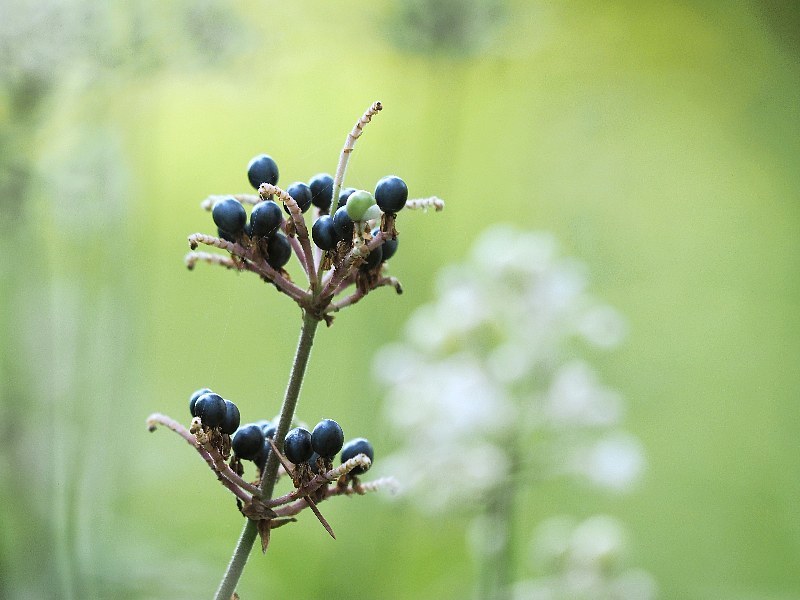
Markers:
<point>352,240</point>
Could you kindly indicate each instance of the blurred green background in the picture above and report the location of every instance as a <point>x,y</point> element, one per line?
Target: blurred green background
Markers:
<point>659,141</point>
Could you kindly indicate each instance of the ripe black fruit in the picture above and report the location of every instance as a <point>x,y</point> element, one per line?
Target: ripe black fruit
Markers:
<point>327,438</point>
<point>278,250</point>
<point>193,399</point>
<point>211,409</point>
<point>229,215</point>
<point>301,194</point>
<point>262,169</point>
<point>297,445</point>
<point>343,224</point>
<point>321,190</point>
<point>355,447</point>
<point>265,218</point>
<point>323,233</point>
<point>231,421</point>
<point>391,194</point>
<point>248,442</point>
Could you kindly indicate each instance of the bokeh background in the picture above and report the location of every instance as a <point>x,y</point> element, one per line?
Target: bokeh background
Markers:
<point>658,141</point>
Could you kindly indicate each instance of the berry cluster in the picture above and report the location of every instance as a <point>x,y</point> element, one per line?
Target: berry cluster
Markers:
<point>311,451</point>
<point>352,239</point>
<point>352,236</point>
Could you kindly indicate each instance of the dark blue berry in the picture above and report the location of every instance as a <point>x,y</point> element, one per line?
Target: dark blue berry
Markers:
<point>389,246</point>
<point>343,224</point>
<point>355,447</point>
<point>278,250</point>
<point>231,421</point>
<point>262,169</point>
<point>248,441</point>
<point>297,445</point>
<point>321,190</point>
<point>301,194</point>
<point>327,438</point>
<point>269,430</point>
<point>229,215</point>
<point>324,233</point>
<point>193,399</point>
<point>261,457</point>
<point>391,194</point>
<point>312,462</point>
<point>224,235</point>
<point>374,259</point>
<point>211,409</point>
<point>344,195</point>
<point>265,218</point>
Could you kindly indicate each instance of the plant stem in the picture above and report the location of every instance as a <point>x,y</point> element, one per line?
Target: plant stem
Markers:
<point>248,536</point>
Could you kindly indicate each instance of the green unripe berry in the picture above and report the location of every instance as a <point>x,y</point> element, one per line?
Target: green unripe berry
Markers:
<point>358,204</point>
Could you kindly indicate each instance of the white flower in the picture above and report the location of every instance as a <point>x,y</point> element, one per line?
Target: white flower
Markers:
<point>488,371</point>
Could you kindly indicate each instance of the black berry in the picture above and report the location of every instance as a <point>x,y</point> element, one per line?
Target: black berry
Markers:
<point>248,441</point>
<point>389,246</point>
<point>324,233</point>
<point>231,421</point>
<point>193,399</point>
<point>355,447</point>
<point>278,250</point>
<point>261,457</point>
<point>297,445</point>
<point>312,462</point>
<point>321,191</point>
<point>211,409</point>
<point>301,194</point>
<point>265,218</point>
<point>344,195</point>
<point>224,235</point>
<point>269,431</point>
<point>327,438</point>
<point>391,194</point>
<point>343,224</point>
<point>262,169</point>
<point>229,215</point>
<point>373,260</point>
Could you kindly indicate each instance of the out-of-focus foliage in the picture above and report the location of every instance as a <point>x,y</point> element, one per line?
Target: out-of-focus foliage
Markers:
<point>658,141</point>
<point>489,397</point>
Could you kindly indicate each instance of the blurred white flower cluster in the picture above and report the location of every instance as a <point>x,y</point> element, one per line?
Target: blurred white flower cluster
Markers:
<point>583,561</point>
<point>488,380</point>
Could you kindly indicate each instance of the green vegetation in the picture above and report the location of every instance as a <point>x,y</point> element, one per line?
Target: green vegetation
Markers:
<point>659,142</point>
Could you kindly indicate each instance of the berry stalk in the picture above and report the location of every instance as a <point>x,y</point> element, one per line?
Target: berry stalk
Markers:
<point>248,536</point>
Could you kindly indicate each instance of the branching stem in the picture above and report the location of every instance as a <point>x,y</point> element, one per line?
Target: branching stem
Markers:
<point>248,536</point>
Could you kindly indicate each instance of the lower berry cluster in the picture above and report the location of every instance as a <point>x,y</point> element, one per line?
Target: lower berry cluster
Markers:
<point>307,457</point>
